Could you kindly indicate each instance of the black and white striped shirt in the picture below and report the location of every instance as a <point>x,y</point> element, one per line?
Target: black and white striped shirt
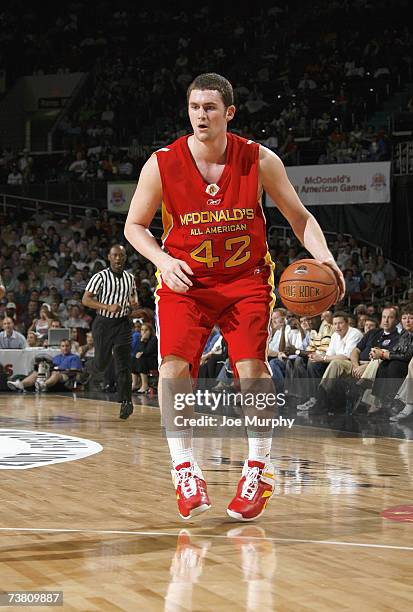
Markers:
<point>111,288</point>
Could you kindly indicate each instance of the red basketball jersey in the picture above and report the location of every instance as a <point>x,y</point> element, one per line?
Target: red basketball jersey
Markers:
<point>216,228</point>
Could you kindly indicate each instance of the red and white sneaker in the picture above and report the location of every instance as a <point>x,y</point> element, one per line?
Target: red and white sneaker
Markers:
<point>254,491</point>
<point>191,490</point>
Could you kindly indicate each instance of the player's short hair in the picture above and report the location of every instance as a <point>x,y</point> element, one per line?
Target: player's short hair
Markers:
<point>213,81</point>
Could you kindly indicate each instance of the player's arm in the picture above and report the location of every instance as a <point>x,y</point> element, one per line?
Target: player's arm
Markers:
<point>276,183</point>
<point>145,202</point>
<point>2,288</point>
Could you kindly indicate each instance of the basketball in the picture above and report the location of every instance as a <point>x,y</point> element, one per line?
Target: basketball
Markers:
<point>308,287</point>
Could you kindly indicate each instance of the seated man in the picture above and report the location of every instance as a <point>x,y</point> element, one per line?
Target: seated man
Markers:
<point>297,384</point>
<point>386,337</point>
<point>369,324</point>
<point>65,366</point>
<point>394,363</point>
<point>360,366</point>
<point>293,337</point>
<point>343,340</point>
<point>9,337</point>
<point>279,331</point>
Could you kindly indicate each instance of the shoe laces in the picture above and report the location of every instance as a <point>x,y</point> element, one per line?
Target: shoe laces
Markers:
<point>250,486</point>
<point>187,481</point>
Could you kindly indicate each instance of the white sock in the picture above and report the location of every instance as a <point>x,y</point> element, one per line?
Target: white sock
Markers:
<point>180,446</point>
<point>259,445</point>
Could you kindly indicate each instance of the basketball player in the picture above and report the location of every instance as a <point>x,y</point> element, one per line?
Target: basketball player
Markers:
<point>215,268</point>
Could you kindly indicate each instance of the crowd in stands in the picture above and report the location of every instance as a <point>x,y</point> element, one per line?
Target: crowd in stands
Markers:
<point>296,73</point>
<point>329,364</point>
<point>46,262</point>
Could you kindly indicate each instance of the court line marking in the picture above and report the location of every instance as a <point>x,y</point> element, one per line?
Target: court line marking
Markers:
<point>202,535</point>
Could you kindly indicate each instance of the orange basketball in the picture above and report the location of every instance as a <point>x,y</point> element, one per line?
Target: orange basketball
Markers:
<point>308,287</point>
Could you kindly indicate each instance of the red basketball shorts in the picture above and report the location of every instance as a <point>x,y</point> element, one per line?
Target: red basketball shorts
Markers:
<point>241,307</point>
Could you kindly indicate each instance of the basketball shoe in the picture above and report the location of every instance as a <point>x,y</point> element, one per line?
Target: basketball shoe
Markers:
<point>191,491</point>
<point>254,491</point>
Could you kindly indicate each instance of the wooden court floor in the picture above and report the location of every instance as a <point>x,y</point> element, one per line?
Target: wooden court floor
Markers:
<point>105,531</point>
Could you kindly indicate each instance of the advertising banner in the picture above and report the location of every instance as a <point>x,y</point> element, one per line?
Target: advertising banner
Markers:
<point>364,183</point>
<point>120,196</point>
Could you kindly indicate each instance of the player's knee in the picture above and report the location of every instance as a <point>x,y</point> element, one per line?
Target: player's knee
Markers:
<point>173,367</point>
<point>252,368</point>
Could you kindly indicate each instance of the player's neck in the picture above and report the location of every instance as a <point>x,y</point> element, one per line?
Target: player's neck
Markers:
<point>213,152</point>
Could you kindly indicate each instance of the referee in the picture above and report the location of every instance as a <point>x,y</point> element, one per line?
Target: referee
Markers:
<point>112,292</point>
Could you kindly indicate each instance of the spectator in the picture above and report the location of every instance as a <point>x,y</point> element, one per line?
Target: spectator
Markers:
<point>75,319</point>
<point>87,351</point>
<point>32,340</point>
<point>9,337</point>
<point>213,354</point>
<point>343,340</point>
<point>295,338</point>
<point>146,359</point>
<point>15,177</point>
<point>369,324</point>
<point>74,340</point>
<point>386,337</point>
<point>394,363</point>
<point>43,323</point>
<point>65,367</point>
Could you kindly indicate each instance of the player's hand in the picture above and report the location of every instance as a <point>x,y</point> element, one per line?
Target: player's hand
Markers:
<point>175,274</point>
<point>338,274</point>
<point>114,308</point>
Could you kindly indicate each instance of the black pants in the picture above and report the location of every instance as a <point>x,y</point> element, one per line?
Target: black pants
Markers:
<point>144,364</point>
<point>389,377</point>
<point>113,335</point>
<point>209,371</point>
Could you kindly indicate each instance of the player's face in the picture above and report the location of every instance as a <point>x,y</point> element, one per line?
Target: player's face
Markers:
<point>207,114</point>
